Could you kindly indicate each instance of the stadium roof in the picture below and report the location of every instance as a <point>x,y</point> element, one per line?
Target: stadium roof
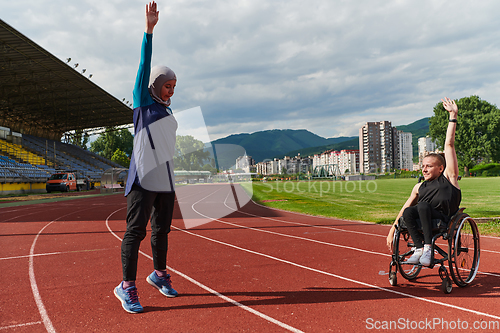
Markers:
<point>43,96</point>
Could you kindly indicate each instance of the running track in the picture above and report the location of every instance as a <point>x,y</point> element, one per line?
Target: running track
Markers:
<point>255,270</point>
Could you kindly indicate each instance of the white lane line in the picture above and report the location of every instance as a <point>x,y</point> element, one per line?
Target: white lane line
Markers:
<point>20,325</point>
<point>304,224</point>
<point>331,274</point>
<point>34,287</point>
<point>304,239</point>
<point>491,251</point>
<point>308,215</point>
<point>10,220</point>
<point>199,284</point>
<point>284,235</point>
<point>51,254</point>
<point>320,242</point>
<point>342,277</point>
<point>324,217</point>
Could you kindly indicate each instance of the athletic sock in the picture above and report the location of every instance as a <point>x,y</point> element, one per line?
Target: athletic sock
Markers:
<point>128,284</point>
<point>161,274</point>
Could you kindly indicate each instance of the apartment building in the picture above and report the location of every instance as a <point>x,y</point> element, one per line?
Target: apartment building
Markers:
<point>405,151</point>
<point>245,163</point>
<point>383,148</point>
<point>346,160</point>
<point>370,147</point>
<point>290,165</point>
<point>425,146</point>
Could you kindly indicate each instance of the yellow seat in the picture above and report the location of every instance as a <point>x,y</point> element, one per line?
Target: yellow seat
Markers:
<point>19,152</point>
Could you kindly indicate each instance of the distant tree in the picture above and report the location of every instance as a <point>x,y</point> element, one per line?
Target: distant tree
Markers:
<point>190,154</point>
<point>121,158</point>
<point>126,141</point>
<point>111,140</point>
<point>478,131</point>
<point>79,138</point>
<point>208,167</point>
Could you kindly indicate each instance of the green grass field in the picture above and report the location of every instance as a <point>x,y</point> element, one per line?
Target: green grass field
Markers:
<point>373,201</point>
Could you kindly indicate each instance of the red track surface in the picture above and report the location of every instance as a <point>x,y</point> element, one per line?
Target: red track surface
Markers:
<point>255,270</point>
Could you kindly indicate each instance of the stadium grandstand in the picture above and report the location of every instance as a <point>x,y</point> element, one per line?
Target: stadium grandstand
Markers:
<point>42,98</point>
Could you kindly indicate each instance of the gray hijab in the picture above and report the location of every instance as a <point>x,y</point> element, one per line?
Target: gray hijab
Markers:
<point>160,75</point>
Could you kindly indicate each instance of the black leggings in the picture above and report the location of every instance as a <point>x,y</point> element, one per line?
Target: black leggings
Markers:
<point>141,205</point>
<point>424,212</point>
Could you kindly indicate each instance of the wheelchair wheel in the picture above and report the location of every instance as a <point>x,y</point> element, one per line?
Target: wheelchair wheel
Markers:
<point>403,252</point>
<point>463,251</point>
<point>446,286</point>
<point>393,279</point>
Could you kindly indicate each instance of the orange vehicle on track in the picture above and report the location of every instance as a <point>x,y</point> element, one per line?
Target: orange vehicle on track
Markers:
<point>64,182</point>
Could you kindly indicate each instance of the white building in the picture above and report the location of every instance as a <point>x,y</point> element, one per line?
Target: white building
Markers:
<point>346,160</point>
<point>426,145</point>
<point>405,151</point>
<point>245,163</point>
<point>287,164</point>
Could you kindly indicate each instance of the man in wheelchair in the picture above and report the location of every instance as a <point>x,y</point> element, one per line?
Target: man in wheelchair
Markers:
<point>438,197</point>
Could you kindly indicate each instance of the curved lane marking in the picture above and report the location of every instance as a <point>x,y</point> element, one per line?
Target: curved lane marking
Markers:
<point>225,298</point>
<point>332,274</point>
<point>324,227</point>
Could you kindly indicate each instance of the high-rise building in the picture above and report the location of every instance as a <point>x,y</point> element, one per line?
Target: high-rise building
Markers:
<point>386,146</point>
<point>383,148</point>
<point>369,147</point>
<point>425,146</point>
<point>405,151</point>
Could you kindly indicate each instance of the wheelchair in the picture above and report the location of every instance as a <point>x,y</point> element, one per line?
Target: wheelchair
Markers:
<point>462,255</point>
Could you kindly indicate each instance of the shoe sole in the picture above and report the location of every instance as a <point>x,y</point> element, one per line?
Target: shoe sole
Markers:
<point>123,303</point>
<point>159,289</point>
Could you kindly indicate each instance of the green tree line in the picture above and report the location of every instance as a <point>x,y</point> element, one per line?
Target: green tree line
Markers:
<point>117,146</point>
<point>477,137</point>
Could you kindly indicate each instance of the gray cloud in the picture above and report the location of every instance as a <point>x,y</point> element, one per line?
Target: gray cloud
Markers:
<point>327,66</point>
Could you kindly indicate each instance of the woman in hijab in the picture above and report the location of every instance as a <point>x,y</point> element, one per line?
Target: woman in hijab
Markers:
<point>150,185</point>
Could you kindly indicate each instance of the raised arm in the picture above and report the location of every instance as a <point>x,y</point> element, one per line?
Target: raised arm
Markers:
<point>141,93</point>
<point>152,16</point>
<point>450,155</point>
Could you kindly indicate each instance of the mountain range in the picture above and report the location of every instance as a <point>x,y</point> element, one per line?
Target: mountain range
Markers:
<point>279,143</point>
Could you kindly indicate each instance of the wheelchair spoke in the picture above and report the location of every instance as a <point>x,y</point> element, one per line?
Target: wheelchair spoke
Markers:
<point>404,249</point>
<point>465,258</point>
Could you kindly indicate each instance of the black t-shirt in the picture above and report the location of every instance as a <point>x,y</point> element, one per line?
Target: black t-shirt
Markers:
<point>441,194</point>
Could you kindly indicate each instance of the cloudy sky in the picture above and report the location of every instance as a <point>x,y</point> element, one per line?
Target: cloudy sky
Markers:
<point>326,66</point>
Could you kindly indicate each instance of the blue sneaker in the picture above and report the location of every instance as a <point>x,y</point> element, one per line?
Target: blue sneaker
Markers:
<point>164,285</point>
<point>129,299</point>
